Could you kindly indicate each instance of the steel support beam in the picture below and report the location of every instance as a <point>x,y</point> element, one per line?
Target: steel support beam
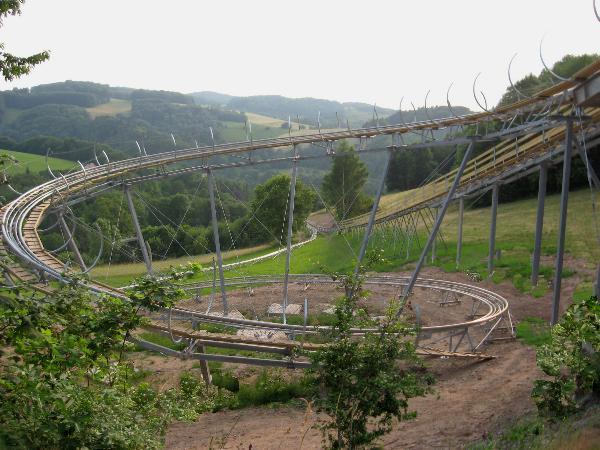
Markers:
<point>215,227</point>
<point>461,211</point>
<point>71,242</point>
<point>539,224</point>
<point>204,369</point>
<point>138,230</point>
<point>367,235</point>
<point>562,226</point>
<point>494,212</point>
<point>597,284</point>
<point>433,244</point>
<point>438,222</point>
<point>290,229</point>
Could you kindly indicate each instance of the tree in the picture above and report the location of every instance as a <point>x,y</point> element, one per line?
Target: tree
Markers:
<point>364,383</point>
<point>63,380</point>
<point>571,359</point>
<point>271,202</point>
<point>342,186</point>
<point>531,84</point>
<point>409,168</point>
<point>15,66</point>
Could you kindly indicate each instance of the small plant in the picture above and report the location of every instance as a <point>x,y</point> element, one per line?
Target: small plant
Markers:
<point>473,275</point>
<point>572,358</point>
<point>364,383</point>
<point>225,381</point>
<point>271,387</point>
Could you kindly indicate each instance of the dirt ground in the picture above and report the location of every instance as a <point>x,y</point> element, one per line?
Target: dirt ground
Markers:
<point>471,399</point>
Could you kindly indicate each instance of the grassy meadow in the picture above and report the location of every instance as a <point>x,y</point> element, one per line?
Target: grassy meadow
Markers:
<point>112,108</point>
<point>515,232</point>
<point>34,163</point>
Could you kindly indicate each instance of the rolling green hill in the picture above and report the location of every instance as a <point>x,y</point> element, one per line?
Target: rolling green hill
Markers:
<point>280,107</point>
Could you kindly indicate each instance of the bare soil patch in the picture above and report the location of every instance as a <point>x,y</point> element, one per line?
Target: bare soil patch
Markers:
<point>471,399</point>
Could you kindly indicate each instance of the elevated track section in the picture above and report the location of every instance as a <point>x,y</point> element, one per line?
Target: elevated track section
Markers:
<point>525,134</point>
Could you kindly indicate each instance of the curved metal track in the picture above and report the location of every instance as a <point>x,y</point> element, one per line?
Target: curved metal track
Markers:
<point>21,218</point>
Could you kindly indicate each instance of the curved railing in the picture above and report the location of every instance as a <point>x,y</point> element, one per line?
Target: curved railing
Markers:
<point>22,216</point>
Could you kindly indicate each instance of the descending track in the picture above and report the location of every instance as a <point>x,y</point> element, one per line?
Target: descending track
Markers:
<point>531,131</point>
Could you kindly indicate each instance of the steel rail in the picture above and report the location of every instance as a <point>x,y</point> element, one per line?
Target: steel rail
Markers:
<point>497,305</point>
<point>22,216</point>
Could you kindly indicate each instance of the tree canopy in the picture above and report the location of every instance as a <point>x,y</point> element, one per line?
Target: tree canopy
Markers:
<point>343,186</point>
<point>13,66</point>
<point>271,203</point>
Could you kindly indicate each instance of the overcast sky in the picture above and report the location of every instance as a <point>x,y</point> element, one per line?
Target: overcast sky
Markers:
<point>372,51</point>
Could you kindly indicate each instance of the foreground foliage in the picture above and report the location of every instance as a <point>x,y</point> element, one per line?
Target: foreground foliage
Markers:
<point>572,359</point>
<point>12,66</point>
<point>64,382</point>
<point>365,383</point>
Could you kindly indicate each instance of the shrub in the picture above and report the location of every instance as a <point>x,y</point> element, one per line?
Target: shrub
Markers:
<point>270,387</point>
<point>363,384</point>
<point>572,359</point>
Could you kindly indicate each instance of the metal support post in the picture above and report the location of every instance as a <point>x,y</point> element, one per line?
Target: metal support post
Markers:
<point>461,210</point>
<point>539,224</point>
<point>433,246</point>
<point>562,227</point>
<point>438,222</point>
<point>8,279</point>
<point>492,247</point>
<point>365,242</point>
<point>288,255</point>
<point>204,369</point>
<point>138,230</point>
<point>215,227</point>
<point>71,242</point>
<point>597,284</point>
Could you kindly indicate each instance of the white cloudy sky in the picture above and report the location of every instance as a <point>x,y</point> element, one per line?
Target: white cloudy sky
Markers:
<point>374,51</point>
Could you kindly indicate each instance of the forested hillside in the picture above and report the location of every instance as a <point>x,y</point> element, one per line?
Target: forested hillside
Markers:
<point>75,110</point>
<point>332,113</point>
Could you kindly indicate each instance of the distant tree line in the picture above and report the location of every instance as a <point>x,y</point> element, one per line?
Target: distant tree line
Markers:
<point>58,110</point>
<point>175,217</point>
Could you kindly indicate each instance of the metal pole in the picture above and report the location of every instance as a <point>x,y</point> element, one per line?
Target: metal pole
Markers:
<point>204,369</point>
<point>71,242</point>
<point>288,254</point>
<point>438,222</point>
<point>562,227</point>
<point>138,230</point>
<point>492,248</point>
<point>461,210</point>
<point>597,284</point>
<point>215,227</point>
<point>433,246</point>
<point>539,224</point>
<point>365,242</point>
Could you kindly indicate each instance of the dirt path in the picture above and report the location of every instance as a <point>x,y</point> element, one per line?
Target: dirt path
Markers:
<point>474,399</point>
<point>471,400</point>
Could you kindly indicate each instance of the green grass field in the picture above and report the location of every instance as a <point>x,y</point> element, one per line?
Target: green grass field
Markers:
<point>35,163</point>
<point>515,231</point>
<point>121,274</point>
<point>112,108</point>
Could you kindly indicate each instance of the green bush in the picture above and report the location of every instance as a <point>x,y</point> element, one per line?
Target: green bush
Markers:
<point>270,387</point>
<point>225,381</point>
<point>572,359</point>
